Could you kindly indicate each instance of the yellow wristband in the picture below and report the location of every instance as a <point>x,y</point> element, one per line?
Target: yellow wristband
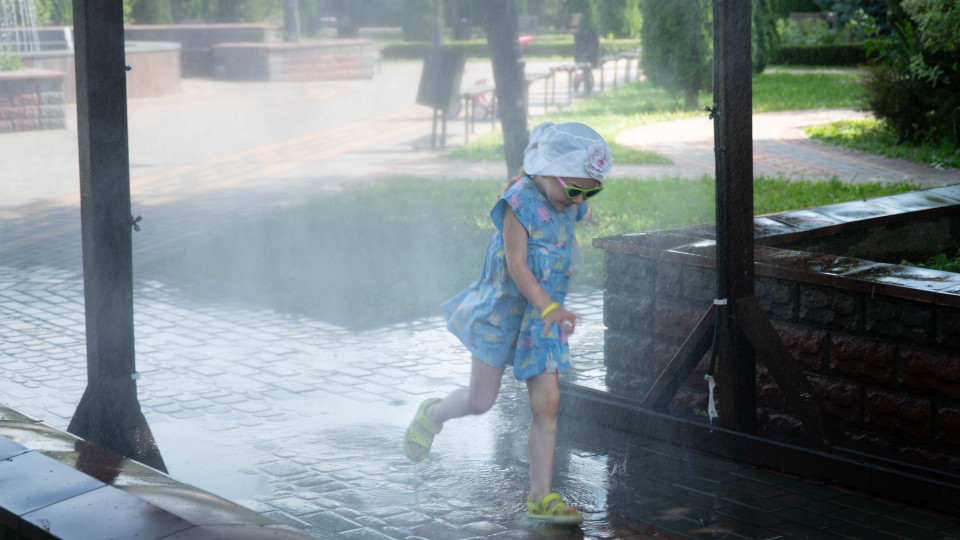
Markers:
<point>548,309</point>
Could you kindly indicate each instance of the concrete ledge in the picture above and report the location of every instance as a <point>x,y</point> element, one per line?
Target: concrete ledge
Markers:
<point>55,485</point>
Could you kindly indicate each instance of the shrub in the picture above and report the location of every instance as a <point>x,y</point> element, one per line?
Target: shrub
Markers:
<point>850,54</point>
<point>914,79</point>
<point>9,61</point>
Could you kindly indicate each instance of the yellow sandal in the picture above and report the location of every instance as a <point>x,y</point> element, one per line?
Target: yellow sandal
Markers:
<point>414,436</point>
<point>558,512</point>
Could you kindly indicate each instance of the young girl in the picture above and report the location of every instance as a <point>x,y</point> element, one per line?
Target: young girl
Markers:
<point>514,313</point>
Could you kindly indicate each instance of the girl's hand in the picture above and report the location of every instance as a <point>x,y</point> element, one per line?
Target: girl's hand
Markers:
<point>560,316</point>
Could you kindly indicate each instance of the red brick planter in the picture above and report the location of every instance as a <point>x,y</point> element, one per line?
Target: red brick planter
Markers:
<point>31,99</point>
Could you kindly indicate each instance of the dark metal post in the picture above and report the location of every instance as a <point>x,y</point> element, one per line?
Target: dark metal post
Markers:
<point>109,412</point>
<point>733,95</point>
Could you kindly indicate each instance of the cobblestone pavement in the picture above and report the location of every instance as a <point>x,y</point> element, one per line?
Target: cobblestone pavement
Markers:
<point>301,419</point>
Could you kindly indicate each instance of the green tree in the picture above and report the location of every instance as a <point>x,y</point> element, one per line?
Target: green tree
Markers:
<point>848,9</point>
<point>677,42</point>
<point>587,10</point>
<point>786,7</point>
<point>418,20</point>
<point>188,10</point>
<point>55,12</point>
<point>620,18</point>
<point>151,12</point>
<point>765,38</point>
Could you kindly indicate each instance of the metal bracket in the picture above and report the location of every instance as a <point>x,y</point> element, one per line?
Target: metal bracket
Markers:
<point>134,221</point>
<point>714,111</point>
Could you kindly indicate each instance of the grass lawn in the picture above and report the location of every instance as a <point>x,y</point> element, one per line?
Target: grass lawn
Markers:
<point>385,253</point>
<point>871,135</point>
<point>642,103</point>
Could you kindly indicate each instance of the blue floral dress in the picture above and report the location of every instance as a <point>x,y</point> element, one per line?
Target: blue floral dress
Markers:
<point>491,317</point>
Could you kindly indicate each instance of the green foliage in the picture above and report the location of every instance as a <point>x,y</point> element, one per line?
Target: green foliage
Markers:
<point>210,11</point>
<point>418,20</point>
<point>619,18</point>
<point>9,61</point>
<point>873,136</point>
<point>940,261</point>
<point>914,80</point>
<point>811,42</point>
<point>151,12</point>
<point>786,7</point>
<point>849,9</point>
<point>54,12</point>
<point>813,32</point>
<point>677,46</point>
<point>587,10</point>
<point>845,54</point>
<point>938,24</point>
<point>765,38</point>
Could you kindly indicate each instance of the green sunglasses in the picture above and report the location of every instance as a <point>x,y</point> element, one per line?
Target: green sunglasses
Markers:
<point>573,192</point>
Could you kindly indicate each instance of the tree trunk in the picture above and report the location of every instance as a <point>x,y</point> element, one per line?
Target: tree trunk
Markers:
<point>501,25</point>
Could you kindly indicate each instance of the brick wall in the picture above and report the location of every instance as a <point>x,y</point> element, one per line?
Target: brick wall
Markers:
<point>879,343</point>
<point>197,41</point>
<point>31,99</point>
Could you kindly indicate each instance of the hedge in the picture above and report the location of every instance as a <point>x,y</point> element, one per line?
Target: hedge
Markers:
<point>848,54</point>
<point>477,48</point>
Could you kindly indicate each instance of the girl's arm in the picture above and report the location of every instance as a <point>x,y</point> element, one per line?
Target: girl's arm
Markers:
<point>515,242</point>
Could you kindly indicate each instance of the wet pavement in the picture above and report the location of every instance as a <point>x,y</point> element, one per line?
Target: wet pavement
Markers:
<point>302,420</point>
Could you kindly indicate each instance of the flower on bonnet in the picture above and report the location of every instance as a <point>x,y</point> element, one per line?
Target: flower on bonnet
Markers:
<point>570,150</point>
<point>598,161</point>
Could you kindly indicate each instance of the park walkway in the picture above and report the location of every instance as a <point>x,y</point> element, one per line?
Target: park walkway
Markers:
<point>301,419</point>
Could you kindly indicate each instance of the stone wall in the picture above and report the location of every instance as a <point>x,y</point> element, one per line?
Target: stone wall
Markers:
<point>300,61</point>
<point>879,342</point>
<point>31,99</point>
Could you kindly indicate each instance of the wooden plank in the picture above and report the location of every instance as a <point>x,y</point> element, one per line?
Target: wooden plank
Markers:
<point>786,371</point>
<point>109,412</point>
<point>733,134</point>
<point>682,363</point>
<point>900,481</point>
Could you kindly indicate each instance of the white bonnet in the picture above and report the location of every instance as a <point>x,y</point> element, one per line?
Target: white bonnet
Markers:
<point>571,150</point>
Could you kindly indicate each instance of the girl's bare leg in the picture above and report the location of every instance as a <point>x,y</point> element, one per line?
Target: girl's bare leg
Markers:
<point>544,393</point>
<point>478,398</point>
